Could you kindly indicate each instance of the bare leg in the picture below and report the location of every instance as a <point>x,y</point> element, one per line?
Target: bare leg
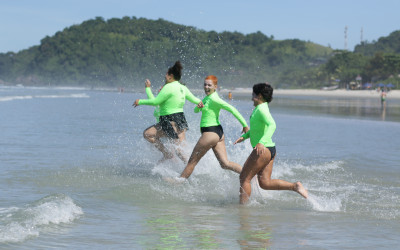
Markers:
<point>220,153</point>
<point>262,166</point>
<point>264,178</point>
<point>251,167</point>
<point>206,141</point>
<point>153,135</point>
<point>265,181</point>
<point>180,143</point>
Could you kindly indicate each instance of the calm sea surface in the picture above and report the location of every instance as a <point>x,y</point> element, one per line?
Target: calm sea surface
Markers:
<point>76,173</point>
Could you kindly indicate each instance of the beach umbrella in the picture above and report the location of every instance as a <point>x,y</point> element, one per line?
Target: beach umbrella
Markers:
<point>390,85</point>
<point>381,85</point>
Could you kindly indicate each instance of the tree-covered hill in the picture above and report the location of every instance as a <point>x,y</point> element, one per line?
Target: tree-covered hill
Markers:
<point>389,44</point>
<point>377,62</point>
<point>123,52</point>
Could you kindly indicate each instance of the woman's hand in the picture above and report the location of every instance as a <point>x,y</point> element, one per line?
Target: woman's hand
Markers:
<point>238,140</point>
<point>200,105</point>
<point>136,103</point>
<point>147,83</point>
<point>245,130</point>
<point>260,149</point>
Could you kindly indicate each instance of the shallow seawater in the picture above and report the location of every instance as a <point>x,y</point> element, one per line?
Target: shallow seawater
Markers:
<point>77,174</point>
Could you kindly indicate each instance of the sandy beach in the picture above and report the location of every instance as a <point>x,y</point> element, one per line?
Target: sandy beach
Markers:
<point>393,94</point>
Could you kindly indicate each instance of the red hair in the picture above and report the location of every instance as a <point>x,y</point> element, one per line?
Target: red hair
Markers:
<point>213,78</point>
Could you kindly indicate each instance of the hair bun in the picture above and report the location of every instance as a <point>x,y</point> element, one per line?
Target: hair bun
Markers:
<point>176,70</point>
<point>178,65</point>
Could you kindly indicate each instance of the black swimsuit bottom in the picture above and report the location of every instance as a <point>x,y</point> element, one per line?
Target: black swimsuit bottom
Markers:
<point>216,129</point>
<point>166,126</point>
<point>273,152</point>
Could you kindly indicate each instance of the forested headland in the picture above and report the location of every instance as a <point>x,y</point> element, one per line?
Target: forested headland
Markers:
<point>122,52</point>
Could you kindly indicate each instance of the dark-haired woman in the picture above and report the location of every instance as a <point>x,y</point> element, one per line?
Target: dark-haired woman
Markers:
<point>172,122</point>
<point>261,159</point>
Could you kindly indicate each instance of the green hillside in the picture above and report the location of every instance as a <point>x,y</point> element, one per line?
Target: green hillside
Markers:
<point>123,52</point>
<point>376,62</point>
<point>389,44</point>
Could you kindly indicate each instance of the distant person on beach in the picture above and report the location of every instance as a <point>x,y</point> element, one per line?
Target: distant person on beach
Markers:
<point>261,159</point>
<point>172,124</point>
<point>383,97</point>
<point>212,134</point>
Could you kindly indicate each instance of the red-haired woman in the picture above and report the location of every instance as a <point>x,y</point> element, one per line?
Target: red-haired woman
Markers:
<point>212,134</point>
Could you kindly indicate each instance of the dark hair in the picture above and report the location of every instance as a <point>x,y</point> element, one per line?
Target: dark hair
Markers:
<point>176,70</point>
<point>265,89</point>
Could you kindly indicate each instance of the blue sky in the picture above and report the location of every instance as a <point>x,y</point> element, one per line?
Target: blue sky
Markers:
<point>25,22</point>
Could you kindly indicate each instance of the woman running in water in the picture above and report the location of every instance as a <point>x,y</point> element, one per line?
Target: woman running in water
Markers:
<point>172,123</point>
<point>212,134</point>
<point>261,159</point>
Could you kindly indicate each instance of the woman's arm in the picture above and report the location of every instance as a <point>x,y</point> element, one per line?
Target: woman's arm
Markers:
<point>243,137</point>
<point>149,93</point>
<point>190,96</point>
<point>267,119</point>
<point>161,97</point>
<point>197,109</point>
<point>148,89</point>
<point>226,106</point>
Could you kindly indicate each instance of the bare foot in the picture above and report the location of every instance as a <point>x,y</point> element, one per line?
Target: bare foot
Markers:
<point>301,190</point>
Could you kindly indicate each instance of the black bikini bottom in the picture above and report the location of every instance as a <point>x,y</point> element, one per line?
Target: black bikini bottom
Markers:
<point>273,152</point>
<point>216,129</point>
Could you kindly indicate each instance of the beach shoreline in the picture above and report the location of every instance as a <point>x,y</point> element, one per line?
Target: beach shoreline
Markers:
<point>393,94</point>
<point>336,93</point>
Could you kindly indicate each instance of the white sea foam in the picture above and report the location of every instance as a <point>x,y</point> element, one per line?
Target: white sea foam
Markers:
<point>13,98</point>
<point>20,86</point>
<point>19,224</point>
<point>80,95</point>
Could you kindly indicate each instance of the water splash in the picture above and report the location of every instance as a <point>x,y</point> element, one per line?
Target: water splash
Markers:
<point>19,224</point>
<point>325,204</point>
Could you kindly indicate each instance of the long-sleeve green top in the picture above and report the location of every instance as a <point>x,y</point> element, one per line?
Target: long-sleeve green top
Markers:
<point>171,98</point>
<point>262,126</point>
<point>212,107</point>
<point>150,95</point>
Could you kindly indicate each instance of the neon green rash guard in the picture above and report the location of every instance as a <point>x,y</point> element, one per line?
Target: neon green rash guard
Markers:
<point>150,95</point>
<point>262,126</point>
<point>171,98</point>
<point>210,112</point>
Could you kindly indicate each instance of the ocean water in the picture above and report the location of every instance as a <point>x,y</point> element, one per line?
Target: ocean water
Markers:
<point>76,173</point>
